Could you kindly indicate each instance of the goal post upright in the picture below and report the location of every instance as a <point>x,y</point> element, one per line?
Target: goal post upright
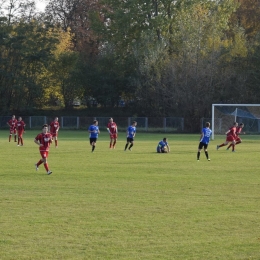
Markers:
<point>233,105</point>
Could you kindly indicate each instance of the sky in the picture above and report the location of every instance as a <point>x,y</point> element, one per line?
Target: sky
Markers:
<point>41,4</point>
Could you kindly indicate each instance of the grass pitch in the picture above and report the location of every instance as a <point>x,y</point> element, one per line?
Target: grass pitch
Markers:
<point>112,204</point>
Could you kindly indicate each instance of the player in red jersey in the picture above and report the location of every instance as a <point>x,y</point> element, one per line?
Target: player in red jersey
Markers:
<point>231,137</point>
<point>112,130</point>
<point>53,129</point>
<point>238,132</point>
<point>20,125</point>
<point>12,124</point>
<point>44,140</point>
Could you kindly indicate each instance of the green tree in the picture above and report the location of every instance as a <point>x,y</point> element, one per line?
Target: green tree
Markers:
<point>22,62</point>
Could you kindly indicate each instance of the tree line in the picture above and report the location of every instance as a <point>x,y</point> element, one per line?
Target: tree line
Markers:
<point>163,58</point>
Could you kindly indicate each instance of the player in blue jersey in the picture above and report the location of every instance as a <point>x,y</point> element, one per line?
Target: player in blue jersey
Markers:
<point>204,140</point>
<point>130,134</point>
<point>93,134</point>
<point>163,146</point>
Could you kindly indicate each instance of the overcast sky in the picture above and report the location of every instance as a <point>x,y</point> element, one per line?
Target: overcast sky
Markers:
<point>40,4</point>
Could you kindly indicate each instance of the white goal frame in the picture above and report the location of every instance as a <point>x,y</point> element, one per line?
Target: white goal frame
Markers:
<point>226,105</point>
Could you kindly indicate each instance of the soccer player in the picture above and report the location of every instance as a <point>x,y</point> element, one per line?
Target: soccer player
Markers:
<point>238,131</point>
<point>112,130</point>
<point>44,140</point>
<point>130,134</point>
<point>231,137</point>
<point>93,134</point>
<point>20,125</point>
<point>163,146</point>
<point>53,129</point>
<point>204,141</point>
<point>12,124</point>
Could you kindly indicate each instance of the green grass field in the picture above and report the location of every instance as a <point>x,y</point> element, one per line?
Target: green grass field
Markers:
<point>112,204</point>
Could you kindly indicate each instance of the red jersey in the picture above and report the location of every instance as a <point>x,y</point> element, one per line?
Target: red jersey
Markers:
<point>238,130</point>
<point>112,127</point>
<point>45,140</point>
<point>12,123</point>
<point>20,125</point>
<point>54,127</point>
<point>232,132</point>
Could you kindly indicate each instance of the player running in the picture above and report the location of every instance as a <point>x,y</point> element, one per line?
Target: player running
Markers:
<point>231,137</point>
<point>238,132</point>
<point>112,130</point>
<point>12,124</point>
<point>44,140</point>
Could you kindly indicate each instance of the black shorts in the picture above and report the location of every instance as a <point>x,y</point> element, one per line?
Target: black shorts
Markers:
<point>91,140</point>
<point>129,140</point>
<point>202,145</point>
<point>160,149</point>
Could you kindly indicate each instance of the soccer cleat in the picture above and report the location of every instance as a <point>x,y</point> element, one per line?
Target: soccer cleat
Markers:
<point>217,147</point>
<point>49,172</point>
<point>233,151</point>
<point>36,167</point>
<point>227,149</point>
<point>198,160</point>
<point>130,149</point>
<point>208,159</point>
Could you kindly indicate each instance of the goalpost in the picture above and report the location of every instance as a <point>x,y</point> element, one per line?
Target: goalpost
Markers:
<point>231,112</point>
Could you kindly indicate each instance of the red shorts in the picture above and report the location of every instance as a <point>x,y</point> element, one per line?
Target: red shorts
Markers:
<point>238,139</point>
<point>230,138</point>
<point>44,154</point>
<point>113,136</point>
<point>13,131</point>
<point>20,133</point>
<point>54,134</point>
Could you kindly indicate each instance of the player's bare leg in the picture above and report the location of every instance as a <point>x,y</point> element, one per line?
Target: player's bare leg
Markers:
<point>233,146</point>
<point>114,144</point>
<point>56,142</point>
<point>46,166</point>
<point>221,145</point>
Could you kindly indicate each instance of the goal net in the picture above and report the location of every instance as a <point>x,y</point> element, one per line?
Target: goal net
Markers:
<point>224,115</point>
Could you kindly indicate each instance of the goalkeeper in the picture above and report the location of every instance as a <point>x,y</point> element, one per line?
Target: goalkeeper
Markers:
<point>163,146</point>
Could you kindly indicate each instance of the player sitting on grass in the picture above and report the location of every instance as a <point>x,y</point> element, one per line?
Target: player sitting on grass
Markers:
<point>163,146</point>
